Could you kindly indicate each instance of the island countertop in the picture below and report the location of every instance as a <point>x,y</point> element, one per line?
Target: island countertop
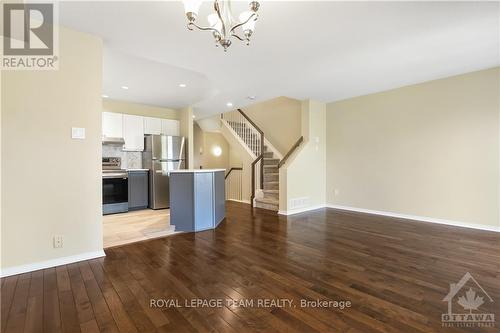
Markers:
<point>196,170</point>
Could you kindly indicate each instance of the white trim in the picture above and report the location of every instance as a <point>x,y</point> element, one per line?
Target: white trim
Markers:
<point>242,201</point>
<point>50,263</point>
<point>418,218</point>
<point>300,210</point>
<point>396,215</point>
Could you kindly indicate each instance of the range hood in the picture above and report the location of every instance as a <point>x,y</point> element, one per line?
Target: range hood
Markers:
<point>112,141</point>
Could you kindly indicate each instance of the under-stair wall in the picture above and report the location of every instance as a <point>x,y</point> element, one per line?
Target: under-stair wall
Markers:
<point>303,176</point>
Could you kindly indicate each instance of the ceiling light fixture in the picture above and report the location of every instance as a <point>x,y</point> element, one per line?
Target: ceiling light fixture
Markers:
<point>182,85</point>
<point>104,96</point>
<point>229,104</point>
<point>125,87</point>
<point>194,116</point>
<point>222,23</point>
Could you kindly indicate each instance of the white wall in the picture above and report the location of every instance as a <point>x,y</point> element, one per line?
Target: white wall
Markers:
<point>51,184</point>
<point>429,150</point>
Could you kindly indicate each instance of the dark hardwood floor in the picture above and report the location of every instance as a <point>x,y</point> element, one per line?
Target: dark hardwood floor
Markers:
<point>394,273</point>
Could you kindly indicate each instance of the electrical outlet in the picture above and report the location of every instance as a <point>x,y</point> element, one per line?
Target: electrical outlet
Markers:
<point>58,241</point>
<point>336,192</point>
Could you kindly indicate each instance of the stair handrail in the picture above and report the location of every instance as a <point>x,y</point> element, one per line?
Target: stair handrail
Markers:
<point>251,122</point>
<point>230,170</point>
<point>290,152</point>
<point>259,158</point>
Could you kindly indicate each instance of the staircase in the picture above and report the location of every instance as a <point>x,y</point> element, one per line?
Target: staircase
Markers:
<point>250,134</point>
<point>271,189</point>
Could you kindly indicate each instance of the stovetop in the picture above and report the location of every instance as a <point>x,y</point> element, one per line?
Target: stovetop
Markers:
<point>111,168</point>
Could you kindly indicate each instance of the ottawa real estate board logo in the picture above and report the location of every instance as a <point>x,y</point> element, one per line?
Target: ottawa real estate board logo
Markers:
<point>469,299</point>
<point>30,36</point>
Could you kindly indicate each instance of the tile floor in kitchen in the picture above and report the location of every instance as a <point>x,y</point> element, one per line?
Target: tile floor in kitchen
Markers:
<point>134,226</point>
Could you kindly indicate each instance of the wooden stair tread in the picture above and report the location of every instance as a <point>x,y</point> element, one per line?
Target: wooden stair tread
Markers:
<point>271,191</point>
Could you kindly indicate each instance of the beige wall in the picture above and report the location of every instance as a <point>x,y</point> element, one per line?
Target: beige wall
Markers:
<point>110,105</point>
<point>187,131</point>
<point>204,143</point>
<point>303,175</point>
<point>210,161</point>
<point>51,184</point>
<point>279,119</point>
<point>235,159</point>
<point>198,143</point>
<point>428,150</point>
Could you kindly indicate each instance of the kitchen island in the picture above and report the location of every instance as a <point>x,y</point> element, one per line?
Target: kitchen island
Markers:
<point>197,199</point>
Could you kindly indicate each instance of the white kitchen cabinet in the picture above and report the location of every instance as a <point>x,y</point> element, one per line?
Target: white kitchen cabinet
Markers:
<point>152,125</point>
<point>112,125</point>
<point>170,127</point>
<point>133,133</point>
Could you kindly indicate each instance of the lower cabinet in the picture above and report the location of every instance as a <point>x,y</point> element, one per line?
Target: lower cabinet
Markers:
<point>138,192</point>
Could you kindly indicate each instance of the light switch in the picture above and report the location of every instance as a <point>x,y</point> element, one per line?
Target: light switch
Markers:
<point>78,133</point>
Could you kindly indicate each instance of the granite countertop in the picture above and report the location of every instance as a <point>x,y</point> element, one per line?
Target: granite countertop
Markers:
<point>196,170</point>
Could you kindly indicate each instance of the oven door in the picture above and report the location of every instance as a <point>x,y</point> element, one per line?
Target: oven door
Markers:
<point>114,194</point>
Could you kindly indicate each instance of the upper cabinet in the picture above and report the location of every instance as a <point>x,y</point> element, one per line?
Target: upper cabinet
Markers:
<point>133,128</point>
<point>161,126</point>
<point>112,125</point>
<point>170,127</point>
<point>152,125</point>
<point>133,133</point>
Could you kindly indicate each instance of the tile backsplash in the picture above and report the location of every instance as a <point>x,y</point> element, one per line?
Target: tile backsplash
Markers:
<point>130,159</point>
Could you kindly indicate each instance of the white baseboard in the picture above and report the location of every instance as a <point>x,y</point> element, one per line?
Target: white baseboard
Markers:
<point>50,263</point>
<point>299,210</point>
<point>242,201</point>
<point>418,218</point>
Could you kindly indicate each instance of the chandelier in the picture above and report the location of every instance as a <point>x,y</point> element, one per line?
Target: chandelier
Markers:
<point>222,23</point>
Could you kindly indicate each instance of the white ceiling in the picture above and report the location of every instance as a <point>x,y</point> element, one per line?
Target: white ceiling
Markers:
<point>322,50</point>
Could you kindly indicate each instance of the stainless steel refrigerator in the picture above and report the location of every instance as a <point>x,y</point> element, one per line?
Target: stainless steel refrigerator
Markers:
<point>162,154</point>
